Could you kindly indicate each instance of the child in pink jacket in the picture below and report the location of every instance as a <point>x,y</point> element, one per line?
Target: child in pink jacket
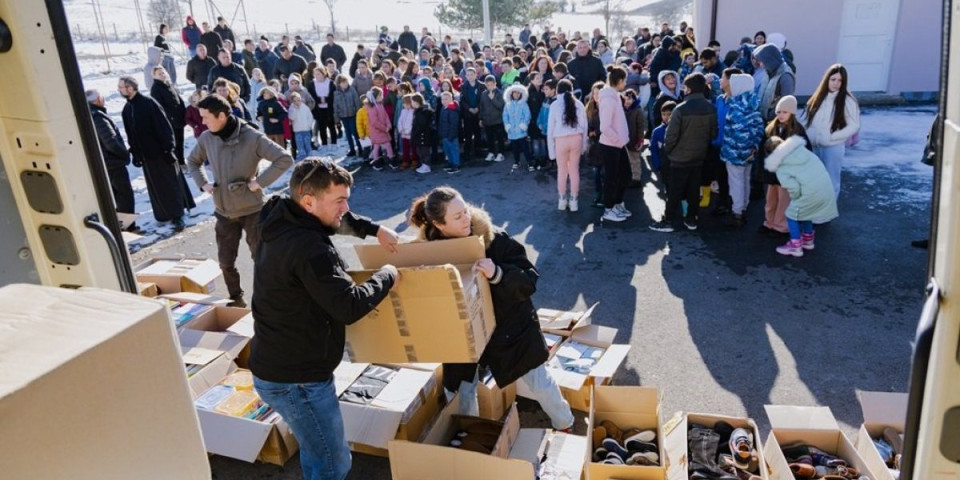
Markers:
<point>614,136</point>
<point>380,128</point>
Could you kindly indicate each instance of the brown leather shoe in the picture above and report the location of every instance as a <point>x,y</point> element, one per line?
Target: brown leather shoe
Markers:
<point>613,431</point>
<point>803,470</point>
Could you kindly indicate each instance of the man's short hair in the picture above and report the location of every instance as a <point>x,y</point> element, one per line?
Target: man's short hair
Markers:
<point>315,175</point>
<point>329,35</point>
<point>248,42</point>
<point>215,104</point>
<point>219,19</point>
<point>696,82</point>
<point>561,67</point>
<point>708,54</point>
<point>284,48</point>
<point>668,106</point>
<point>713,43</point>
<point>130,82</point>
<point>729,72</point>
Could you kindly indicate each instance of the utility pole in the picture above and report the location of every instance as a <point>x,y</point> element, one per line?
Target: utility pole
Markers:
<point>487,34</point>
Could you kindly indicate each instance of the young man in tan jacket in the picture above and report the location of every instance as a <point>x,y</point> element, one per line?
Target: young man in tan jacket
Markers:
<point>234,150</point>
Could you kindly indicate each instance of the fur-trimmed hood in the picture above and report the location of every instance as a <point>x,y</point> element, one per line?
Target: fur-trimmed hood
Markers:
<point>508,93</point>
<point>775,158</point>
<point>480,225</point>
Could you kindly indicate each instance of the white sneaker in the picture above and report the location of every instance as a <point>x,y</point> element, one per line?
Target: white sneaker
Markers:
<point>423,168</point>
<point>499,158</point>
<point>489,157</point>
<point>562,204</point>
<point>574,204</point>
<point>611,215</point>
<point>622,210</point>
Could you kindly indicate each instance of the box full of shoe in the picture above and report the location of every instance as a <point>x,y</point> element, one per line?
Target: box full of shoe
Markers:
<point>441,310</point>
<point>237,424</point>
<point>380,403</point>
<point>702,445</point>
<point>172,274</point>
<point>880,439</point>
<point>93,387</point>
<point>806,441</point>
<point>586,357</point>
<point>461,447</point>
<point>624,435</point>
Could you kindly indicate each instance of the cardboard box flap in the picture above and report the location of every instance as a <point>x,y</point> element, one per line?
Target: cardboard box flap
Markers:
<point>158,267</point>
<point>611,360</point>
<point>800,418</point>
<point>203,272</point>
<point>564,458</point>
<point>226,342</point>
<point>884,408</point>
<point>243,327</point>
<point>210,375</point>
<point>530,445</point>
<point>625,399</point>
<point>201,298</point>
<point>594,334</point>
<point>345,374</point>
<point>232,436</point>
<point>415,461</point>
<point>562,320</point>
<point>675,447</point>
<point>199,355</point>
<point>459,251</point>
<point>405,386</point>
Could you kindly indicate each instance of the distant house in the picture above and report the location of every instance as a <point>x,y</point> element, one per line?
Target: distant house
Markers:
<point>888,46</point>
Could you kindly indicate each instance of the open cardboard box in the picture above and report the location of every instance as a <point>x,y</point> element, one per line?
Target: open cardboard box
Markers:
<point>576,386</point>
<point>814,426</point>
<point>400,411</point>
<point>93,387</point>
<point>147,289</point>
<point>677,441</point>
<point>174,274</point>
<point>553,454</point>
<point>493,400</point>
<point>880,410</point>
<point>270,440</point>
<point>563,322</point>
<point>627,407</point>
<point>433,459</point>
<point>218,319</point>
<point>441,310</point>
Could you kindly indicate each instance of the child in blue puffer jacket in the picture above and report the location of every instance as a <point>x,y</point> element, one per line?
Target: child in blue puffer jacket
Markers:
<point>516,121</point>
<point>742,134</point>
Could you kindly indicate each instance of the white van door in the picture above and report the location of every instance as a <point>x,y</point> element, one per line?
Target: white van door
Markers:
<point>867,32</point>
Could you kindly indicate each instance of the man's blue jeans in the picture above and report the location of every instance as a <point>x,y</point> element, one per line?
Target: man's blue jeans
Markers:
<point>313,413</point>
<point>451,148</point>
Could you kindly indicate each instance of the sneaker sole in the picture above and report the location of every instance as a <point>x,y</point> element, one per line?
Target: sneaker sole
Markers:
<point>662,229</point>
<point>691,228</point>
<point>790,253</point>
<point>613,219</point>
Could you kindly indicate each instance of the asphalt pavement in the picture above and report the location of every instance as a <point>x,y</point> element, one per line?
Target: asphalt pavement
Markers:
<point>717,320</point>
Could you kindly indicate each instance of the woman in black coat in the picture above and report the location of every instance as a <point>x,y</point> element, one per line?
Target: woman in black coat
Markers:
<point>166,95</point>
<point>517,350</point>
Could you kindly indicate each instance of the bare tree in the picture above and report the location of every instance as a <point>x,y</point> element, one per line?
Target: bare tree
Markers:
<point>164,11</point>
<point>608,8</point>
<point>333,24</point>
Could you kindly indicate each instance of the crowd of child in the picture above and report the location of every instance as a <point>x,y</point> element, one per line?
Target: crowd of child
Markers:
<point>697,126</point>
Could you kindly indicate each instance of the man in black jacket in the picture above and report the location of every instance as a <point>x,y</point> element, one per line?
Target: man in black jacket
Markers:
<point>152,144</point>
<point>289,63</point>
<point>211,40</point>
<point>586,68</point>
<point>224,30</point>
<point>230,71</point>
<point>408,40</point>
<point>693,125</point>
<point>198,68</point>
<point>303,299</point>
<point>115,155</point>
<point>334,51</point>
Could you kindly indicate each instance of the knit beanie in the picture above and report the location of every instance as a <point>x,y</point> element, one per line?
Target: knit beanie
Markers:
<point>294,76</point>
<point>787,104</point>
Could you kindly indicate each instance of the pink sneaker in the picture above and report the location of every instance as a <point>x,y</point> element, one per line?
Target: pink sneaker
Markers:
<point>792,247</point>
<point>806,240</point>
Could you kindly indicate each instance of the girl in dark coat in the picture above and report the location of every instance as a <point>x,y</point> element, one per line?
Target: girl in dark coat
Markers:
<point>517,350</point>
